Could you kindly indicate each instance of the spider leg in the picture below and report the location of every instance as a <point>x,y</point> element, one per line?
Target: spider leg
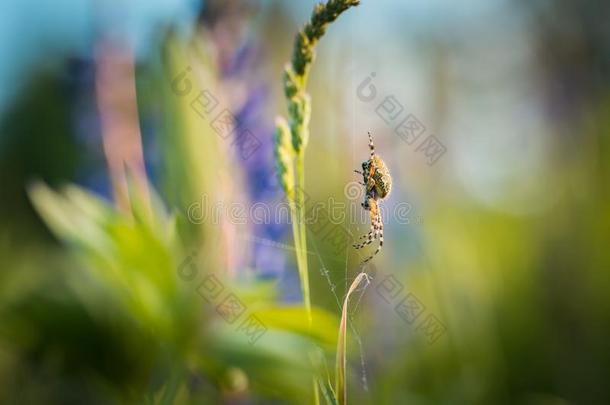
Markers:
<point>369,235</point>
<point>372,235</point>
<point>380,234</point>
<point>367,206</point>
<point>362,174</point>
<point>371,145</point>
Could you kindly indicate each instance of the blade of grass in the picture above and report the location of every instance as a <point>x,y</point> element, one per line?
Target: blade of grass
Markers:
<point>341,363</point>
<point>299,112</point>
<point>304,270</point>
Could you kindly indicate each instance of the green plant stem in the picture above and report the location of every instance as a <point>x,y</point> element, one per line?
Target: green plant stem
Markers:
<point>299,112</point>
<point>316,393</point>
<point>341,360</point>
<point>302,250</point>
<point>298,236</point>
<point>300,174</point>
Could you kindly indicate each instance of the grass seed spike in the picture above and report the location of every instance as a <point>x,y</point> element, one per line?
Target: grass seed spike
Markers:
<point>378,184</point>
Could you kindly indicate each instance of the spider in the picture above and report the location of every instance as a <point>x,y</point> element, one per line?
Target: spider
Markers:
<point>378,184</point>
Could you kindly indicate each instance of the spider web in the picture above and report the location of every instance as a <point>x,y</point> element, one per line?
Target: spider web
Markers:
<point>332,286</point>
<point>324,269</point>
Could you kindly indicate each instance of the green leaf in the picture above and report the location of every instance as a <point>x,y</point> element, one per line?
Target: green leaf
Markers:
<point>294,319</point>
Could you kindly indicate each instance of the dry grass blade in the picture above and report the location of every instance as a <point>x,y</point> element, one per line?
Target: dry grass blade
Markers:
<point>340,385</point>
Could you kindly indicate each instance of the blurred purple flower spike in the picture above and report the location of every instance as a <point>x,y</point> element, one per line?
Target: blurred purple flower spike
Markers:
<point>268,258</point>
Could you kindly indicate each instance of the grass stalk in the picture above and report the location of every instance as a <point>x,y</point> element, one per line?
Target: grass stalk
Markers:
<point>291,161</point>
<point>341,361</point>
<point>303,269</point>
<point>296,74</point>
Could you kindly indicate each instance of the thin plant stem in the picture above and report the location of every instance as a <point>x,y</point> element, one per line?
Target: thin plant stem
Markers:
<point>291,160</point>
<point>300,172</point>
<point>341,360</point>
<point>298,236</point>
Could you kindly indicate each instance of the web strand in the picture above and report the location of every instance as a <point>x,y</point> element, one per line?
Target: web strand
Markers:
<point>325,272</point>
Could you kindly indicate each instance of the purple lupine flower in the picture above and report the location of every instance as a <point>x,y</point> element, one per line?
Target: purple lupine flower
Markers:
<point>240,69</point>
<point>259,167</point>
